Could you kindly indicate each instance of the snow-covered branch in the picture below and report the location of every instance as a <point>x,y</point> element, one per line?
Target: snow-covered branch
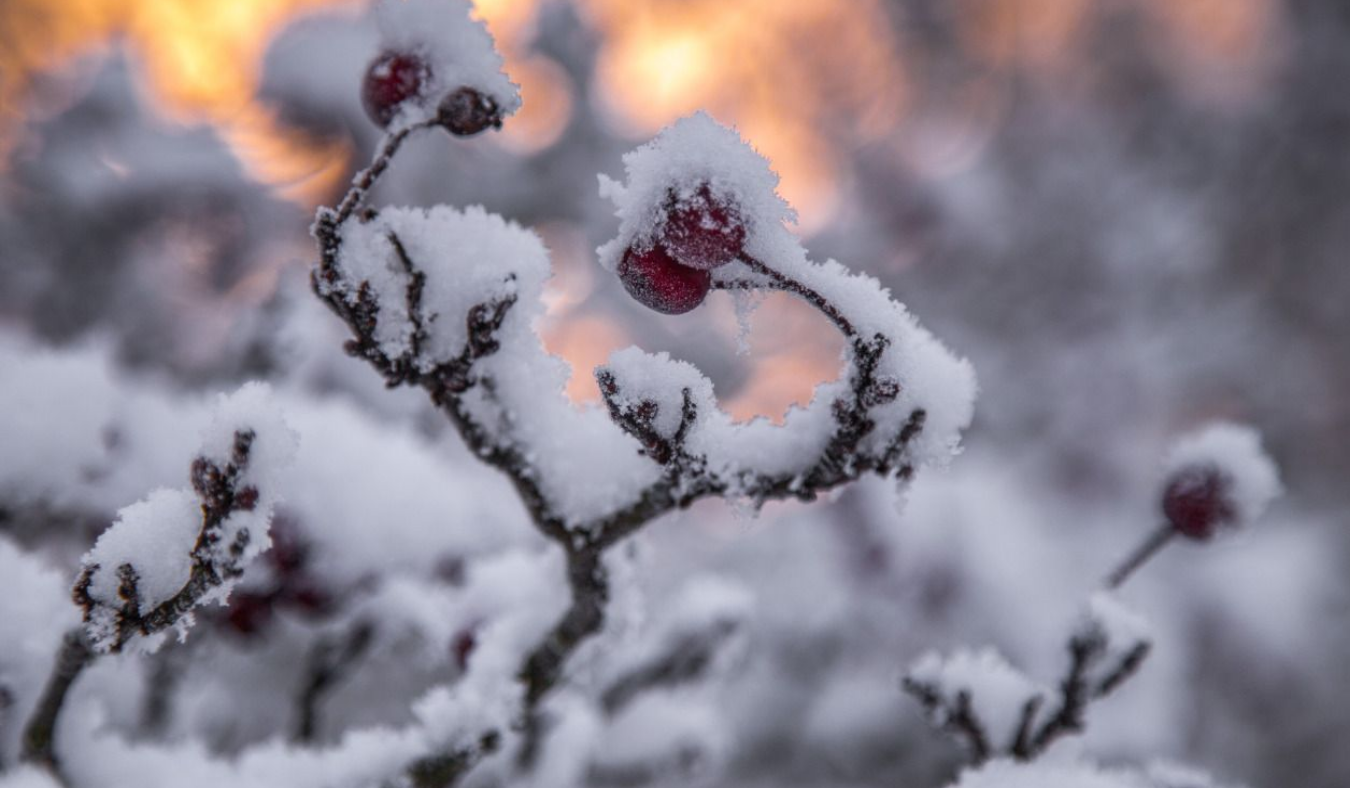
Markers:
<point>172,552</point>
<point>998,712</point>
<point>150,570</point>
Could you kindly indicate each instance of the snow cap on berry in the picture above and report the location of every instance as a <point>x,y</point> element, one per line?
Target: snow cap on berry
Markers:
<point>692,162</point>
<point>1217,476</point>
<point>457,49</point>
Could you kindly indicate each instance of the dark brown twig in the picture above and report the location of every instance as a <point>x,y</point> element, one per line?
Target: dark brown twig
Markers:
<point>1155,541</point>
<point>330,661</point>
<point>685,660</point>
<point>956,717</point>
<point>39,736</point>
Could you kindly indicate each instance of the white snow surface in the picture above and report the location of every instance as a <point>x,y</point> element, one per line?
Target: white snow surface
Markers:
<point>1235,451</point>
<point>1049,774</point>
<point>1066,773</point>
<point>693,151</point>
<point>457,47</point>
<point>1122,627</point>
<point>28,777</point>
<point>155,537</point>
<point>998,691</point>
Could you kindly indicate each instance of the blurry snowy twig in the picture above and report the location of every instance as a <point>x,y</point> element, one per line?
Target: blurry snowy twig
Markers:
<point>171,552</point>
<point>331,659</point>
<point>998,712</point>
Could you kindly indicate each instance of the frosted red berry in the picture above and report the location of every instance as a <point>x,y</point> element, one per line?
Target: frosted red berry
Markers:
<point>392,79</point>
<point>1197,501</point>
<point>465,112</point>
<point>654,278</point>
<point>702,230</point>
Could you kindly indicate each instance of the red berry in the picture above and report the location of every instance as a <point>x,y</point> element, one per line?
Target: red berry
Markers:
<point>307,596</point>
<point>392,79</point>
<point>1196,501</point>
<point>654,278</point>
<point>249,611</point>
<point>466,112</point>
<point>463,647</point>
<point>702,230</point>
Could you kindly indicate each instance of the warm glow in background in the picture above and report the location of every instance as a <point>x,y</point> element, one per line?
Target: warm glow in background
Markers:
<point>808,82</point>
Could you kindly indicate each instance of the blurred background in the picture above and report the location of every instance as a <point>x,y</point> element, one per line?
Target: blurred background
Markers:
<point>1133,216</point>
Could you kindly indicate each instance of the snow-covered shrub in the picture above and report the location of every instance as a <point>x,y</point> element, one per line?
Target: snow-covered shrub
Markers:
<point>394,614</point>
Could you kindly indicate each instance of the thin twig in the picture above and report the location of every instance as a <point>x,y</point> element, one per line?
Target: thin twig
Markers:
<point>6,708</point>
<point>1154,542</point>
<point>685,660</point>
<point>330,661</point>
<point>39,737</point>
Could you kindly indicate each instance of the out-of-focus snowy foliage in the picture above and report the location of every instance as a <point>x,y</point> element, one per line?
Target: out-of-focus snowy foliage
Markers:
<point>1119,261</point>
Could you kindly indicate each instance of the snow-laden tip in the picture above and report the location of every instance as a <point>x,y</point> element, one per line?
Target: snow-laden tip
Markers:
<point>1235,452</point>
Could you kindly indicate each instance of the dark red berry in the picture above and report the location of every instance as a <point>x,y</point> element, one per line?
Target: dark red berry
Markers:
<point>466,112</point>
<point>654,278</point>
<point>1196,501</point>
<point>249,611</point>
<point>463,646</point>
<point>290,551</point>
<point>307,596</point>
<point>392,79</point>
<point>702,230</point>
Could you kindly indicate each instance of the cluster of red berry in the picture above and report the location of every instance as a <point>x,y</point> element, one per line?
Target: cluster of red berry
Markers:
<point>395,78</point>
<point>669,272</point>
<point>672,272</point>
<point>293,585</point>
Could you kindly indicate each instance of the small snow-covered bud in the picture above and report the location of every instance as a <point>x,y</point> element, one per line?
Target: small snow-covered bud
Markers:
<point>1217,477</point>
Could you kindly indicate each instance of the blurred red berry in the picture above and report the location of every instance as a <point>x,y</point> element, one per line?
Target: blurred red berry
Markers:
<point>392,79</point>
<point>462,648</point>
<point>249,612</point>
<point>702,230</point>
<point>305,595</point>
<point>1196,501</point>
<point>654,278</point>
<point>466,112</point>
